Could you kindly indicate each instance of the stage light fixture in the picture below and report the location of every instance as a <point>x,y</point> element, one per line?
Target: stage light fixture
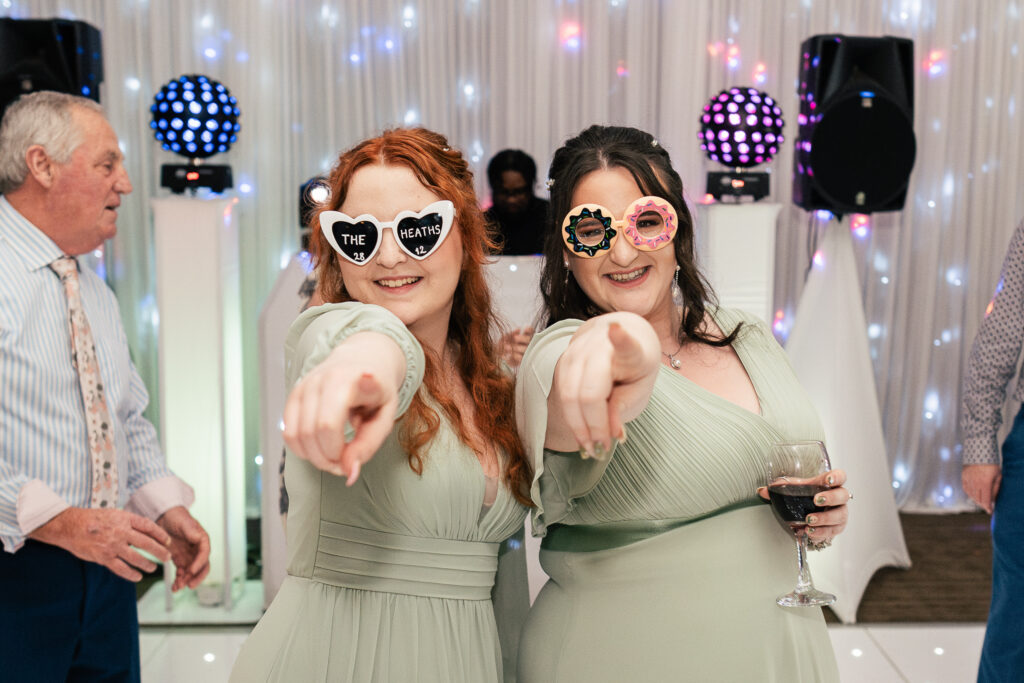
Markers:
<point>195,117</point>
<point>313,194</point>
<point>740,127</point>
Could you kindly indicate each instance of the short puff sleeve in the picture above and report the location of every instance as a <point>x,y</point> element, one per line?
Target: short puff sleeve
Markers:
<point>318,330</point>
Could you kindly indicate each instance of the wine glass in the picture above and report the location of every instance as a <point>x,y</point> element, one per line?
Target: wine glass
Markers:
<point>795,470</point>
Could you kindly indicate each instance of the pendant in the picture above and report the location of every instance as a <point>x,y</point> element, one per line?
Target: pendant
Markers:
<point>674,362</point>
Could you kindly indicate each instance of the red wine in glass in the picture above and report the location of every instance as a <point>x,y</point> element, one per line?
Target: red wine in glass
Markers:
<point>791,503</point>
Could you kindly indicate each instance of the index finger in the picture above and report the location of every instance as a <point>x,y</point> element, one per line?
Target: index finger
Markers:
<point>371,432</point>
<point>142,541</point>
<point>202,555</point>
<point>150,528</point>
<point>627,353</point>
<point>835,478</point>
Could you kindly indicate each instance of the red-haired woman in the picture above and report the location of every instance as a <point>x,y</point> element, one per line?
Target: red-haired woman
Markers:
<point>409,472</point>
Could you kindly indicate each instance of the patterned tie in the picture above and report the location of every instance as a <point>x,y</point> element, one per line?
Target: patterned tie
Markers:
<point>97,417</point>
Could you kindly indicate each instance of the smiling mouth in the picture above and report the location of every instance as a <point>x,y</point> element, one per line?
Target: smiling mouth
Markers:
<point>398,282</point>
<point>630,276</point>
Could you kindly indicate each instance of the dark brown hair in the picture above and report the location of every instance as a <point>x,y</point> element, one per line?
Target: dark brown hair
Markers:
<point>442,170</point>
<point>602,147</point>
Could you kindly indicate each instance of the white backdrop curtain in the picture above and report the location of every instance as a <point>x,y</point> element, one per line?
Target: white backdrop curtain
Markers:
<point>315,77</point>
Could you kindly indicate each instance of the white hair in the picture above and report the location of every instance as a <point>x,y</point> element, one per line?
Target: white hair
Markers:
<point>39,118</point>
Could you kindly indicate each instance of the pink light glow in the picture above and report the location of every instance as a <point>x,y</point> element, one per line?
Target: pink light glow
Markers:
<point>935,63</point>
<point>860,225</point>
<point>760,73</point>
<point>733,56</point>
<point>570,35</point>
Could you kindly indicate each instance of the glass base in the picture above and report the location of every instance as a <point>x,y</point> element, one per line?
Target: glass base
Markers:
<point>810,598</point>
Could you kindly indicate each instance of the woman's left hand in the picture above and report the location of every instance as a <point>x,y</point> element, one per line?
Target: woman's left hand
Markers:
<point>825,525</point>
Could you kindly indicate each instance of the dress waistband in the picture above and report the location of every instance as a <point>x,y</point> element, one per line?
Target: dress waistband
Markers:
<point>585,538</point>
<point>365,559</point>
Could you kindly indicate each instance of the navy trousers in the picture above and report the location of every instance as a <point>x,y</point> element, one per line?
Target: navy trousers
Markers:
<point>64,619</point>
<point>1002,656</point>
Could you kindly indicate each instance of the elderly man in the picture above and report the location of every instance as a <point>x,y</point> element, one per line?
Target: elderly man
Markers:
<point>83,484</point>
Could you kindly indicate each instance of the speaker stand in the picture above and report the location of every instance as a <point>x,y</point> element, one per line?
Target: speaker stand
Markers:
<point>828,348</point>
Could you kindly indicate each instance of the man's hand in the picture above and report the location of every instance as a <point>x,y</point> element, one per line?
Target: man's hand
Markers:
<point>981,483</point>
<point>189,545</point>
<point>107,537</point>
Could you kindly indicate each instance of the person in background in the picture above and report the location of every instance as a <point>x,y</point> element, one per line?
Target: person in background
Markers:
<point>648,412</point>
<point>997,485</point>
<point>519,215</point>
<point>84,488</point>
<point>520,218</point>
<point>405,470</point>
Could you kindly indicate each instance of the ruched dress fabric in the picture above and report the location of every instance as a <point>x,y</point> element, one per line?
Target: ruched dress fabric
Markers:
<point>389,579</point>
<point>695,602</point>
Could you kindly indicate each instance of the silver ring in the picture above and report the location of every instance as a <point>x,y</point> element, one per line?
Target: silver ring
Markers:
<point>819,545</point>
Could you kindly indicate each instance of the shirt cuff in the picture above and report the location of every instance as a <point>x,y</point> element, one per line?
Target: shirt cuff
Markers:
<point>159,496</point>
<point>37,504</point>
<point>980,450</point>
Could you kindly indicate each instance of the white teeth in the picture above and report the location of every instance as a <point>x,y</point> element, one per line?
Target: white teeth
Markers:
<point>398,283</point>
<point>627,277</point>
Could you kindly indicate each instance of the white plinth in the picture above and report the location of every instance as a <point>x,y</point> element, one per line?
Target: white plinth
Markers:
<point>200,368</point>
<point>828,347</point>
<point>736,252</point>
<point>246,607</point>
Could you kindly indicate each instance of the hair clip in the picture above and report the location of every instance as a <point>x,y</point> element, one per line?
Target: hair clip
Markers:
<point>445,149</point>
<point>550,183</point>
<point>654,142</point>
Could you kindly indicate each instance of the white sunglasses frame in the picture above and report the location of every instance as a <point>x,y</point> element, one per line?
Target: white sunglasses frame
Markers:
<point>444,208</point>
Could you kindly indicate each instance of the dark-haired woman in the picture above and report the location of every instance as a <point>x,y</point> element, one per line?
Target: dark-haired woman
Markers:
<point>409,472</point>
<point>648,412</point>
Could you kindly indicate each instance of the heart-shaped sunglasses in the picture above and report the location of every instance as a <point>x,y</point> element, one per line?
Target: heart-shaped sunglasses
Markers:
<point>418,233</point>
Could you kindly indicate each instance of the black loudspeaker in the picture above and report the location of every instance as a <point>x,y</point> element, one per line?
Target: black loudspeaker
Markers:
<point>49,54</point>
<point>855,147</point>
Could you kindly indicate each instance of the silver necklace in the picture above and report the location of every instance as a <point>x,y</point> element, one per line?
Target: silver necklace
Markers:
<point>672,360</point>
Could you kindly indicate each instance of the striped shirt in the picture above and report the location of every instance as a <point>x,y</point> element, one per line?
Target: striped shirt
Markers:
<point>44,450</point>
<point>993,361</point>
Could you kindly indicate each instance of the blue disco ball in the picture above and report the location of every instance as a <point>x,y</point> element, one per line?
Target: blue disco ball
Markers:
<point>195,117</point>
<point>741,127</point>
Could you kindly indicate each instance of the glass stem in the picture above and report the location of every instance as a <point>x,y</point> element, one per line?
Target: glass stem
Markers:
<point>804,583</point>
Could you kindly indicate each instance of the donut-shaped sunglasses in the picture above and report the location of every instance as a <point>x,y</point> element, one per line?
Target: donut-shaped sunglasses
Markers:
<point>650,223</point>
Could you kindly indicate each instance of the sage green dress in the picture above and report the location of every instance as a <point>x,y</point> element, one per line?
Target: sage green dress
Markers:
<point>389,579</point>
<point>664,563</point>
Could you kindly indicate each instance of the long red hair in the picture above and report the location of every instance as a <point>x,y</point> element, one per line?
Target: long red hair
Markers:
<point>441,169</point>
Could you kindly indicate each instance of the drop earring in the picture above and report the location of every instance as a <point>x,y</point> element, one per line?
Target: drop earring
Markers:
<point>565,283</point>
<point>677,293</point>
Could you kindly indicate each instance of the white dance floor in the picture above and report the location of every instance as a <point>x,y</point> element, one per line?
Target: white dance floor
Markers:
<point>883,653</point>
